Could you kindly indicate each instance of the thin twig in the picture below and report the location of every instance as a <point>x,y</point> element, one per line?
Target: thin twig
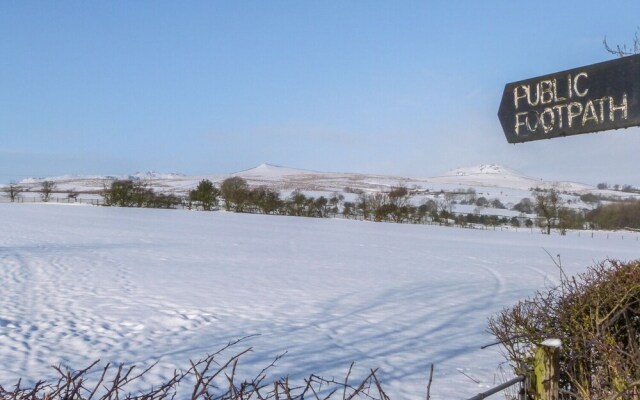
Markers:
<point>429,384</point>
<point>473,379</point>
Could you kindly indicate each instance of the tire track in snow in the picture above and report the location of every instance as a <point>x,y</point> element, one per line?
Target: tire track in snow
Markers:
<point>409,320</point>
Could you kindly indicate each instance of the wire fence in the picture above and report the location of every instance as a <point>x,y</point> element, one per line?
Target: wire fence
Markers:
<point>96,201</point>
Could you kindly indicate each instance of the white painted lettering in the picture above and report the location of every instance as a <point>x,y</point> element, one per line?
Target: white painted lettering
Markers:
<point>575,84</point>
<point>589,113</point>
<point>557,99</point>
<point>531,103</point>
<point>547,127</point>
<point>528,120</point>
<point>548,106</point>
<point>573,111</point>
<point>516,97</point>
<point>559,109</point>
<point>622,107</point>
<point>601,104</point>
<point>546,92</point>
<point>519,123</point>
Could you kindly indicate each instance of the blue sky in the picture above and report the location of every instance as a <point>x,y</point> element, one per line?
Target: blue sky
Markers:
<point>199,87</point>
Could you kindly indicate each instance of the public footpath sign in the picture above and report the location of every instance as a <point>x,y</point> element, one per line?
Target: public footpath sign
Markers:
<point>593,98</point>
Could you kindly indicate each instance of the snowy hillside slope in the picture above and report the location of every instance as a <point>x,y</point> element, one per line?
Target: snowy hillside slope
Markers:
<point>490,181</point>
<point>502,177</point>
<point>483,176</point>
<point>287,179</point>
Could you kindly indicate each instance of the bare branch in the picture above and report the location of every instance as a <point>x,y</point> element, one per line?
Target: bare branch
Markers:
<point>429,384</point>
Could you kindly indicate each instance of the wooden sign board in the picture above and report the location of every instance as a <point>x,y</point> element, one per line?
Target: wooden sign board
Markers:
<point>593,98</point>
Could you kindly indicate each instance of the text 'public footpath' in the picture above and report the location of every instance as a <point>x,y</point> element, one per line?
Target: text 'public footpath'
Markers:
<point>566,105</point>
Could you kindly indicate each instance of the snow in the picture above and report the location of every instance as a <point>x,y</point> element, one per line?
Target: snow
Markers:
<point>143,285</point>
<point>551,343</point>
<point>491,181</point>
<point>276,172</point>
<point>493,175</point>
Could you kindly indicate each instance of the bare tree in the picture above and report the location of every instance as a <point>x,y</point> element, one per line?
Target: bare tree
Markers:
<point>47,188</point>
<point>399,196</point>
<point>548,203</point>
<point>363,206</point>
<point>445,205</point>
<point>13,190</point>
<point>266,200</point>
<point>378,202</point>
<point>235,191</point>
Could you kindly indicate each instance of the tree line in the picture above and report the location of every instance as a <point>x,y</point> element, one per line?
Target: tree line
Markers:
<point>394,205</point>
<point>549,205</point>
<point>47,188</point>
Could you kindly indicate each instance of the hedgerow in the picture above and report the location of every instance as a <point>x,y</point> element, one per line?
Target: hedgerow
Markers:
<point>597,317</point>
<point>213,377</point>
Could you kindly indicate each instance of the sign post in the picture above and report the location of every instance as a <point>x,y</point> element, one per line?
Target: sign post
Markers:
<point>588,99</point>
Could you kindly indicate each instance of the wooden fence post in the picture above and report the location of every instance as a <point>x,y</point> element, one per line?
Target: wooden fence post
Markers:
<point>547,370</point>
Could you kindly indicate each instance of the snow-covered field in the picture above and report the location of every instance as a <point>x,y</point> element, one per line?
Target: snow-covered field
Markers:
<point>80,283</point>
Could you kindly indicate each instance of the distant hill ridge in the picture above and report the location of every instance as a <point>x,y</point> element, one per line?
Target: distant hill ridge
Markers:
<point>287,179</point>
<point>483,169</point>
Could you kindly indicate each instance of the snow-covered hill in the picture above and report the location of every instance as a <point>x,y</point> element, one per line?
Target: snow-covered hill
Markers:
<point>502,177</point>
<point>284,178</point>
<point>490,181</point>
